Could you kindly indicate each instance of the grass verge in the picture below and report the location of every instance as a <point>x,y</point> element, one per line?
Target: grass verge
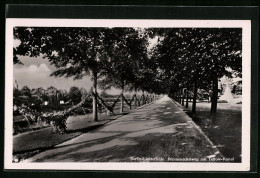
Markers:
<point>225,131</point>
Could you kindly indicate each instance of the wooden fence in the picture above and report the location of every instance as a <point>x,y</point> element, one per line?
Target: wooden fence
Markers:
<point>111,104</point>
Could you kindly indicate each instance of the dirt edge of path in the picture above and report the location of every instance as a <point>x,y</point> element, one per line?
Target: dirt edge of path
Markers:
<point>200,130</point>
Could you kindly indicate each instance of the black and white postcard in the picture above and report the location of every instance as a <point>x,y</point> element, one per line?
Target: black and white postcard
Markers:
<point>143,95</point>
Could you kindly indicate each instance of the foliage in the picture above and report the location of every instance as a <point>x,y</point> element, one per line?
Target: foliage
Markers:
<point>75,95</point>
<point>28,113</point>
<point>188,57</point>
<point>56,119</point>
<point>184,53</point>
<point>27,98</point>
<point>127,49</point>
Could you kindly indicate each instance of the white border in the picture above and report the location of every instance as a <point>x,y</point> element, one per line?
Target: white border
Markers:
<point>246,70</point>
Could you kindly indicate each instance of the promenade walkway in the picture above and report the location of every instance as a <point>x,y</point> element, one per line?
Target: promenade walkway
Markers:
<point>158,132</point>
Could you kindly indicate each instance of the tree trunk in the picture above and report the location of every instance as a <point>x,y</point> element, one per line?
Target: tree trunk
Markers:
<point>135,101</point>
<point>122,99</point>
<point>130,105</point>
<point>179,96</point>
<point>194,100</point>
<point>94,97</point>
<point>187,97</point>
<point>143,98</point>
<point>214,99</point>
<point>182,98</point>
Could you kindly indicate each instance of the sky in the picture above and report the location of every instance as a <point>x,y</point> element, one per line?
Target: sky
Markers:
<point>35,72</point>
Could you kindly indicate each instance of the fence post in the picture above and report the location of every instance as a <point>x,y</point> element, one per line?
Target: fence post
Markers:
<point>135,99</point>
<point>130,104</point>
<point>143,98</point>
<point>122,104</point>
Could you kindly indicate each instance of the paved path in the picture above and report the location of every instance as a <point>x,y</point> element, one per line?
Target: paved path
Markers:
<point>161,129</point>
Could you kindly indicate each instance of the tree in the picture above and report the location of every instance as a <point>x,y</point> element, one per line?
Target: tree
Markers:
<point>225,51</point>
<point>75,95</point>
<point>25,97</point>
<point>53,97</point>
<point>127,46</point>
<point>178,60</point>
<point>38,91</point>
<point>26,91</point>
<point>75,52</point>
<point>64,95</point>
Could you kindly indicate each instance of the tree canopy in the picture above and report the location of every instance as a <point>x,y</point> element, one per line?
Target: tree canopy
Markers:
<point>188,57</point>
